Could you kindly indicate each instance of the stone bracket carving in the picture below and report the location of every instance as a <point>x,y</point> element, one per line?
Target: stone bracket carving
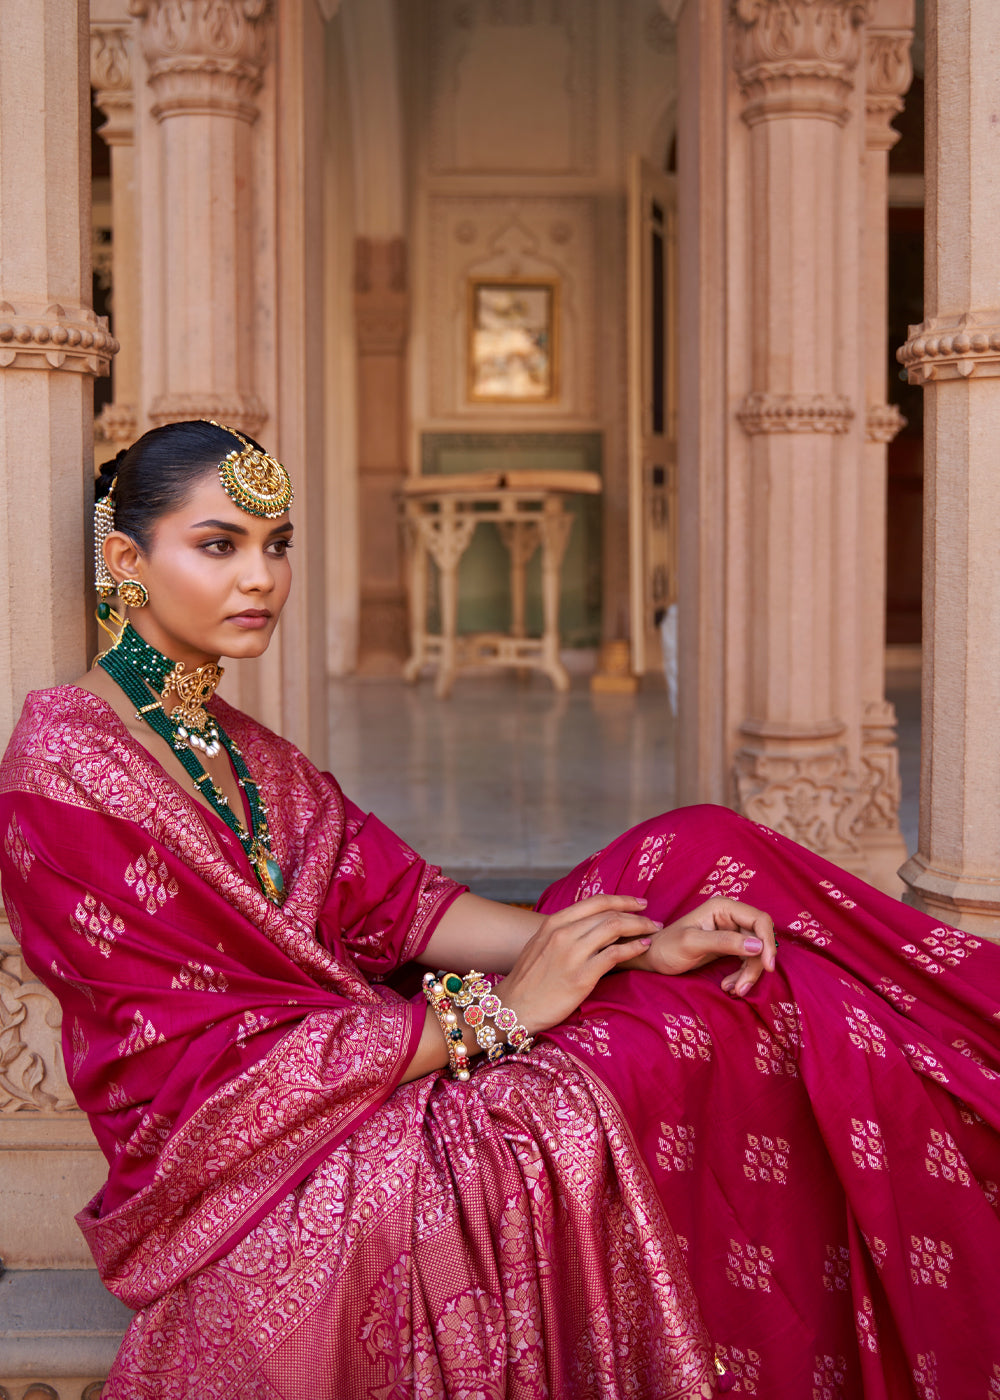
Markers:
<point>883,422</point>
<point>804,791</point>
<point>111,77</point>
<point>953,349</point>
<point>243,411</point>
<point>32,1075</point>
<point>795,413</point>
<point>796,57</point>
<point>889,73</point>
<point>52,337</point>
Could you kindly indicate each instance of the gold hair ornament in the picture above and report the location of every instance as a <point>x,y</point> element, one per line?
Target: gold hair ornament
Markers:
<point>253,479</point>
<point>104,524</point>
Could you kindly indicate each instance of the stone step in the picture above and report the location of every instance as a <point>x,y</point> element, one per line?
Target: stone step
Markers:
<point>60,1329</point>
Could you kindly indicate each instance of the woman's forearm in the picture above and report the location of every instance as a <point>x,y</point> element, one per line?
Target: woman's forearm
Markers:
<point>480,933</point>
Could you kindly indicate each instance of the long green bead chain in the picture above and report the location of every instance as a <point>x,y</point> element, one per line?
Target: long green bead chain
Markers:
<point>142,673</point>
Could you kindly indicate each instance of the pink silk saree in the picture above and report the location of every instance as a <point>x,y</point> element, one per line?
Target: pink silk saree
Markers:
<point>287,1220</point>
<point>291,1222</point>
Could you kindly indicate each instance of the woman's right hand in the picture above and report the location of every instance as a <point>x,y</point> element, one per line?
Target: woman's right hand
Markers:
<point>561,964</point>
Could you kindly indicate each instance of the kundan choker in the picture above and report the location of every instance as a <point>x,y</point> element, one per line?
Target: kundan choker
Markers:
<point>172,701</point>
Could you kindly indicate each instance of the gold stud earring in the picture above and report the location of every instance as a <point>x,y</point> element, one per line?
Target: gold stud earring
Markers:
<point>133,593</point>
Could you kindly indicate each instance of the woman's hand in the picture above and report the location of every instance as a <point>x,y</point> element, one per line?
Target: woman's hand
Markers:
<point>719,928</point>
<point>571,951</point>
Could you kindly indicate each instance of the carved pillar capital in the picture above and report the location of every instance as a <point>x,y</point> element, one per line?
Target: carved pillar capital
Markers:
<point>112,78</point>
<point>888,73</point>
<point>205,58</point>
<point>796,58</point>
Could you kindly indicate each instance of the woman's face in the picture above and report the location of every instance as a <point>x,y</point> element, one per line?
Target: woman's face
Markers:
<point>217,577</point>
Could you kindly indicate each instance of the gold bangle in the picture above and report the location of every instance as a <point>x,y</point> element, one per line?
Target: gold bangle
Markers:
<point>440,1002</point>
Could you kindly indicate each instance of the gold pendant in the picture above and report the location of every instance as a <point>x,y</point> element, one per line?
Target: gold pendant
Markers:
<point>193,689</point>
<point>268,872</point>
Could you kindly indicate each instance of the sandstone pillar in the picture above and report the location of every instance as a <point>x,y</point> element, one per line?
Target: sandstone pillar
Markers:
<point>381,306</point>
<point>704,539</point>
<point>796,768</point>
<point>888,75</point>
<point>205,68</point>
<point>112,76</point>
<point>955,354</point>
<point>51,345</point>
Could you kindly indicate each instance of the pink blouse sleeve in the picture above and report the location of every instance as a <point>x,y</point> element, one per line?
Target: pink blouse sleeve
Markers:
<point>384,900</point>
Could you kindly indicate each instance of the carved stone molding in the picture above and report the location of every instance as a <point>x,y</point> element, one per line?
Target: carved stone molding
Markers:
<point>889,73</point>
<point>795,58</point>
<point>953,349</point>
<point>60,1389</point>
<point>53,337</point>
<point>880,784</point>
<point>116,422</point>
<point>802,789</point>
<point>795,413</point>
<point>206,57</point>
<point>111,77</point>
<point>381,300</point>
<point>883,422</point>
<point>32,1076</point>
<point>242,411</point>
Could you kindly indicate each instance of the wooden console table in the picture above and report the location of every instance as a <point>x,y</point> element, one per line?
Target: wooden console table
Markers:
<point>441,514</point>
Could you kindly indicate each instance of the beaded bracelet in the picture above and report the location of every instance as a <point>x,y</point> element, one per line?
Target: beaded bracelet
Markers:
<point>480,1004</point>
<point>436,994</point>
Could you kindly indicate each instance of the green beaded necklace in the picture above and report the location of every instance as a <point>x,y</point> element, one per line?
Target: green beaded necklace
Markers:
<point>148,678</point>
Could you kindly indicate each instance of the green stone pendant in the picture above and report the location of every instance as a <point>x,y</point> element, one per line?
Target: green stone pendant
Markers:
<point>274,871</point>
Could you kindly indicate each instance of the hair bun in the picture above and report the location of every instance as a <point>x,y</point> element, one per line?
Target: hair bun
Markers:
<point>106,474</point>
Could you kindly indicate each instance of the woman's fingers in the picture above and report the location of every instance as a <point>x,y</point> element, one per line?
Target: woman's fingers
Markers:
<point>733,913</point>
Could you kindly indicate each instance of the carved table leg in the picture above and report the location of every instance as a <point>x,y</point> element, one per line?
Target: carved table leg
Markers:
<point>418,593</point>
<point>556,524</point>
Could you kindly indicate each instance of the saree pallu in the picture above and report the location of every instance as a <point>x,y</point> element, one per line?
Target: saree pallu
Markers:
<point>297,1226</point>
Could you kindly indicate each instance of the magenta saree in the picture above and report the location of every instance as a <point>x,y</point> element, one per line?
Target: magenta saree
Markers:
<point>286,1218</point>
<point>291,1222</point>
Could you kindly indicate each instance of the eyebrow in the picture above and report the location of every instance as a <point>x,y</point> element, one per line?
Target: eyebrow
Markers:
<point>231,529</point>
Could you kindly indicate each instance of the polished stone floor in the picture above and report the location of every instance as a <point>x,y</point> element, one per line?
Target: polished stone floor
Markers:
<point>507,784</point>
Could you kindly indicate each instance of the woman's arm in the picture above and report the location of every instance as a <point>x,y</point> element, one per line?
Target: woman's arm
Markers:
<point>476,932</point>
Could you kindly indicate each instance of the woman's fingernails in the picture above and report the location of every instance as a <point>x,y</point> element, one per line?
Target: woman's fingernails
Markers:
<point>752,945</point>
<point>645,942</point>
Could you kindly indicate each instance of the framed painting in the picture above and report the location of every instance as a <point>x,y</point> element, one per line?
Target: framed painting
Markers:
<point>513,342</point>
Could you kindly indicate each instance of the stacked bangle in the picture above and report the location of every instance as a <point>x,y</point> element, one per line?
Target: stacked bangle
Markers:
<point>480,1005</point>
<point>440,1001</point>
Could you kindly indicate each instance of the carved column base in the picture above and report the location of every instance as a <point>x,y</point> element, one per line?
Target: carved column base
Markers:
<point>799,783</point>
<point>969,904</point>
<point>876,827</point>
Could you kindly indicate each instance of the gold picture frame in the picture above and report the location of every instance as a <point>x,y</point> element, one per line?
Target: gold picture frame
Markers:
<point>513,340</point>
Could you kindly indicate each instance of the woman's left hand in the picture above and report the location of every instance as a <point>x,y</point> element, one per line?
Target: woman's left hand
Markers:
<point>719,928</point>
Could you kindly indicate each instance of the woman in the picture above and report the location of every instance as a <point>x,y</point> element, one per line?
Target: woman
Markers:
<point>302,1204</point>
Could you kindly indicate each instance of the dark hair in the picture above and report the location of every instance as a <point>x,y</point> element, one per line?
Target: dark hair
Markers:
<point>154,475</point>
